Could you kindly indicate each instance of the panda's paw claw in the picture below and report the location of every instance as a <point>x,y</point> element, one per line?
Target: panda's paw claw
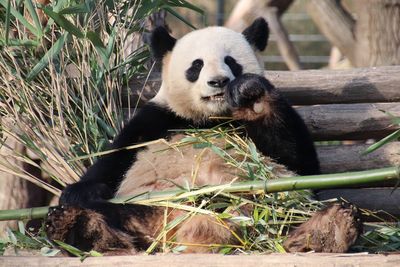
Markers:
<point>60,220</point>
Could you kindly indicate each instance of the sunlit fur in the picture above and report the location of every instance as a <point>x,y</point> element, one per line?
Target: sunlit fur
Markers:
<point>161,167</point>
<point>212,45</point>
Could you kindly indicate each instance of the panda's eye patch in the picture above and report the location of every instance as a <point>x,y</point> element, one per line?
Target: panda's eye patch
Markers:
<point>192,74</point>
<point>235,67</point>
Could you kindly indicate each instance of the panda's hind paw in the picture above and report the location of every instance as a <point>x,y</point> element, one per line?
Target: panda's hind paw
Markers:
<point>333,230</point>
<point>60,220</point>
<point>86,230</point>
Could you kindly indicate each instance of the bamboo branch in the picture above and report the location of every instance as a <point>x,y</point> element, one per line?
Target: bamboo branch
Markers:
<point>255,187</point>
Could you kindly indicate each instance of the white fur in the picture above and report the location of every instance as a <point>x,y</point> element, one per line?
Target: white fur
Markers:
<point>212,45</point>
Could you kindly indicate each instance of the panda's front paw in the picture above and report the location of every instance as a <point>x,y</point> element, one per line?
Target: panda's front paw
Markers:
<point>250,97</point>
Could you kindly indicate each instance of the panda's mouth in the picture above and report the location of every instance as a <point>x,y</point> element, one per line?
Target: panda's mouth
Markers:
<point>217,97</point>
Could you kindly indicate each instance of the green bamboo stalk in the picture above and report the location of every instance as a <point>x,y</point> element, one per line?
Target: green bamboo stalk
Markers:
<point>23,214</point>
<point>323,181</point>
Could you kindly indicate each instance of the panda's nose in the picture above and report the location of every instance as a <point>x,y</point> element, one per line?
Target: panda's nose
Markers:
<point>218,81</point>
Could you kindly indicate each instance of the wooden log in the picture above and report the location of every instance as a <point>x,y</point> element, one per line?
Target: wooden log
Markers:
<point>215,260</point>
<point>350,121</point>
<point>345,121</point>
<point>342,158</point>
<point>309,87</point>
<point>362,85</point>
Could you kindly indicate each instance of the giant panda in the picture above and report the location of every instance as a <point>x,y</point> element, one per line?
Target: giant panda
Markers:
<point>211,72</point>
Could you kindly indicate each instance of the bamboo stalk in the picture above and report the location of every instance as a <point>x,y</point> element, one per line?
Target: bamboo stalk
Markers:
<point>277,185</point>
<point>23,214</point>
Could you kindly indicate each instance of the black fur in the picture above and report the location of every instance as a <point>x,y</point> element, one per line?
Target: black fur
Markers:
<point>257,34</point>
<point>246,89</point>
<point>102,226</point>
<point>192,74</point>
<point>161,42</point>
<point>116,216</point>
<point>235,67</point>
<point>282,136</point>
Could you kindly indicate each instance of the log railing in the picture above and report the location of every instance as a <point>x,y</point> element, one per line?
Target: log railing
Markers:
<point>309,87</point>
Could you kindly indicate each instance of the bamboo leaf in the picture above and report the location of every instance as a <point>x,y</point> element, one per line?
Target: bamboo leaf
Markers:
<point>99,46</point>
<point>59,5</point>
<point>34,16</point>
<point>176,14</point>
<point>185,4</point>
<point>21,227</point>
<point>391,137</point>
<point>250,172</point>
<point>111,43</point>
<point>145,8</point>
<point>49,56</point>
<point>217,150</point>
<point>77,9</point>
<point>253,152</point>
<point>71,249</point>
<point>94,253</point>
<point>279,247</point>
<point>61,21</point>
<point>7,21</point>
<point>225,251</point>
<point>394,119</point>
<point>19,42</point>
<point>49,252</point>
<point>11,236</point>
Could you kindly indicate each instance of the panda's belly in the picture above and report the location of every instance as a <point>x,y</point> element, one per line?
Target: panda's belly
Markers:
<point>161,167</point>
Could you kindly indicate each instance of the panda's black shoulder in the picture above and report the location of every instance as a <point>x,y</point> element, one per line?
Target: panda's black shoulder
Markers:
<point>150,122</point>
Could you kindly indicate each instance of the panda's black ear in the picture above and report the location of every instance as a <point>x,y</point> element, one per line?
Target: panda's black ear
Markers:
<point>161,42</point>
<point>257,34</point>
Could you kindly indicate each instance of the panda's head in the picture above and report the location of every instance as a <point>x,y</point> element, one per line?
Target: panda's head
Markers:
<point>197,68</point>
